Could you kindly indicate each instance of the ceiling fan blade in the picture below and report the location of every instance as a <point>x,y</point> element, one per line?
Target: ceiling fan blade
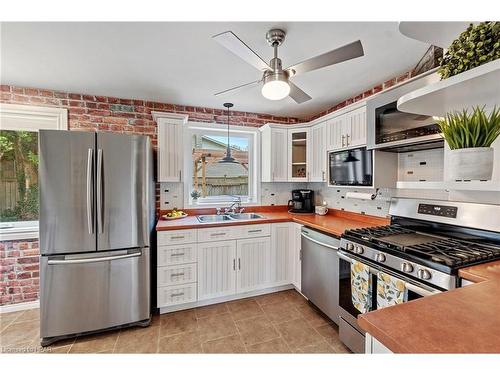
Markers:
<point>297,94</point>
<point>238,87</point>
<point>347,52</point>
<point>234,44</point>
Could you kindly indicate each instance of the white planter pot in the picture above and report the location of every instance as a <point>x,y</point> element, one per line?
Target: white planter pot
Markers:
<point>471,164</point>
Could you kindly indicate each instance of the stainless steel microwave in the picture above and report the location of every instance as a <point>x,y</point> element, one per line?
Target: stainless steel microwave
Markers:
<point>351,167</point>
<point>401,131</point>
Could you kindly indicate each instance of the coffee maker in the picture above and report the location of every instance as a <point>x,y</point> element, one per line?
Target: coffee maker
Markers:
<point>302,201</point>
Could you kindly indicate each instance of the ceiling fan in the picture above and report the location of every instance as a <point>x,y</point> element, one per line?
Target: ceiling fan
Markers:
<point>275,79</point>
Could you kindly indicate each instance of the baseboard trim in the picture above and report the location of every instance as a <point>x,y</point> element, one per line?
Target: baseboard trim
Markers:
<point>168,309</point>
<point>19,306</point>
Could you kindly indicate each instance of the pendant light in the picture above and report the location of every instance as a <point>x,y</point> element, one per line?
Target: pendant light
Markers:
<point>228,158</point>
<point>350,158</point>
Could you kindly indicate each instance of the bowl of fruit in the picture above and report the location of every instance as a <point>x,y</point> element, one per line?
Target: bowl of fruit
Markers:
<point>174,214</point>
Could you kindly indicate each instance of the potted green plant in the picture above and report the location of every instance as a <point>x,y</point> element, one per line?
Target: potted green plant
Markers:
<point>470,135</point>
<point>195,194</point>
<point>477,45</point>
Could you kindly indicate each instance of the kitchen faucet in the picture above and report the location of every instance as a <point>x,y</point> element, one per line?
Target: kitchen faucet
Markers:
<point>232,207</point>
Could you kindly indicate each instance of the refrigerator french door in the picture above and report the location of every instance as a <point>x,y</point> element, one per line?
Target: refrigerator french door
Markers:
<point>96,216</point>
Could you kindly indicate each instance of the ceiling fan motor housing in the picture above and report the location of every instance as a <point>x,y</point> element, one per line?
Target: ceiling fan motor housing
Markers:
<point>275,37</point>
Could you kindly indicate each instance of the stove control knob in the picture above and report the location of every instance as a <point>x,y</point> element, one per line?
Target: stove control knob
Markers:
<point>359,249</point>
<point>349,246</point>
<point>423,274</point>
<point>380,257</point>
<point>407,267</point>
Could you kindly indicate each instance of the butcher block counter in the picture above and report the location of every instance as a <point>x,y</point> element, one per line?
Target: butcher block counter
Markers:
<point>334,222</point>
<point>463,320</point>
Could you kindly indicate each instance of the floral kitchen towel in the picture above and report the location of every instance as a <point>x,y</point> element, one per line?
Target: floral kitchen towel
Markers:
<point>361,286</point>
<point>390,290</point>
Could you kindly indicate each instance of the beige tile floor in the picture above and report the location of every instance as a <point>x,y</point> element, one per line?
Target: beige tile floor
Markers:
<point>282,322</point>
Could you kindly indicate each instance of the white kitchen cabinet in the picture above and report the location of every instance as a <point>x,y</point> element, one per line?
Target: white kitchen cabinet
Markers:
<point>317,162</point>
<point>274,160</point>
<point>216,269</point>
<point>282,250</point>
<point>297,256</point>
<point>170,145</point>
<point>298,154</point>
<point>253,264</point>
<point>347,130</point>
<point>335,132</point>
<point>356,132</point>
<point>373,346</point>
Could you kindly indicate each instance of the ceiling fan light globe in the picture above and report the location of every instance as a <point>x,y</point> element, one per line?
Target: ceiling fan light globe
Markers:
<point>275,90</point>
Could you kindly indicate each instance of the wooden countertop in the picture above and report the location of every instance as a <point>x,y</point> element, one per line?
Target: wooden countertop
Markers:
<point>335,222</point>
<point>462,320</point>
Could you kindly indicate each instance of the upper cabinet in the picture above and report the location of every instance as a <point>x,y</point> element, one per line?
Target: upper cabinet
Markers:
<point>274,154</point>
<point>170,145</point>
<point>347,130</point>
<point>298,154</point>
<point>317,161</point>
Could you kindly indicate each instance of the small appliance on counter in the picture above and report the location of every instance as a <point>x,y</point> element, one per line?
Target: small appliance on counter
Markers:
<point>302,202</point>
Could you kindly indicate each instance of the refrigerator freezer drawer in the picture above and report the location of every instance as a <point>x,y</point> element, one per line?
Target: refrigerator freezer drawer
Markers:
<point>93,291</point>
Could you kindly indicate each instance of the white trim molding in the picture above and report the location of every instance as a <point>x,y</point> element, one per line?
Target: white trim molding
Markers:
<point>174,117</point>
<point>19,306</point>
<point>32,118</point>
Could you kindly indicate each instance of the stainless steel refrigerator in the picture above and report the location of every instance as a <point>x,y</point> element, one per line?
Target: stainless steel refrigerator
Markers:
<point>97,212</point>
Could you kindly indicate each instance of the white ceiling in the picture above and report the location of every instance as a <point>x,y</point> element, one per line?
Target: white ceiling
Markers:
<point>179,62</point>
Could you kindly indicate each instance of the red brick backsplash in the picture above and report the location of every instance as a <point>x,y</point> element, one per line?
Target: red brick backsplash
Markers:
<point>19,265</point>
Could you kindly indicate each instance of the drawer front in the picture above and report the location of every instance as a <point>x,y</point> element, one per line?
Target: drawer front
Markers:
<point>257,230</point>
<point>172,237</point>
<point>174,275</point>
<point>177,254</point>
<point>218,234</point>
<point>176,295</point>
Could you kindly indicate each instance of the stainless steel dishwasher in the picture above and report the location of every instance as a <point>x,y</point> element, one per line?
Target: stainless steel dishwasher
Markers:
<point>320,271</point>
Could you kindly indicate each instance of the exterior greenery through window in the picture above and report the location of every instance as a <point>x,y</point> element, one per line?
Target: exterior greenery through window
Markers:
<point>18,176</point>
<point>213,181</point>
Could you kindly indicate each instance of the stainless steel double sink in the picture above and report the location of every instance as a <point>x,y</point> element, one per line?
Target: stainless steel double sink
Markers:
<point>228,217</point>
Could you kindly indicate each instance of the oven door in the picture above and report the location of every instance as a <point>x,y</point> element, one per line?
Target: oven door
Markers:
<point>350,332</point>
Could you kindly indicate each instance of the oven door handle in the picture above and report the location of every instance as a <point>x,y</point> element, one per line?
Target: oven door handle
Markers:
<point>419,290</point>
<point>373,271</point>
<point>410,285</point>
<point>318,242</point>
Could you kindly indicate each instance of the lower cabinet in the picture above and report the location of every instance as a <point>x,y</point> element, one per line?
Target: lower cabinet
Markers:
<point>373,346</point>
<point>216,269</point>
<point>254,264</point>
<point>250,258</point>
<point>297,257</point>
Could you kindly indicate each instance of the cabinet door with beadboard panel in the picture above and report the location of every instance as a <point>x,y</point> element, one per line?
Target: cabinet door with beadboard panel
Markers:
<point>317,165</point>
<point>357,131</point>
<point>282,249</point>
<point>335,128</point>
<point>216,269</point>
<point>253,264</point>
<point>279,151</point>
<point>170,150</point>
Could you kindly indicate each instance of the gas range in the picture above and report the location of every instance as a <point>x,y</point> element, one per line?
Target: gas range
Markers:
<point>430,240</point>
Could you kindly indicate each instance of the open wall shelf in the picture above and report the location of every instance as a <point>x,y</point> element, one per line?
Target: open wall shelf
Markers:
<point>476,87</point>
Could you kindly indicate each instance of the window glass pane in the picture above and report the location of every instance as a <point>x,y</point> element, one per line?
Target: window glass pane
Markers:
<point>18,176</point>
<point>214,179</point>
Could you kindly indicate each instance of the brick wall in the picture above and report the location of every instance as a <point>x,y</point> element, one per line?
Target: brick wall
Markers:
<point>19,271</point>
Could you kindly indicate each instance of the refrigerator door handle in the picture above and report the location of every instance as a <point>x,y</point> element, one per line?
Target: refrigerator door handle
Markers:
<point>93,260</point>
<point>90,162</point>
<point>99,191</point>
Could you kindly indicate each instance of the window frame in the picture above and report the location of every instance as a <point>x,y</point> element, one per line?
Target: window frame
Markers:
<point>253,156</point>
<point>17,117</point>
